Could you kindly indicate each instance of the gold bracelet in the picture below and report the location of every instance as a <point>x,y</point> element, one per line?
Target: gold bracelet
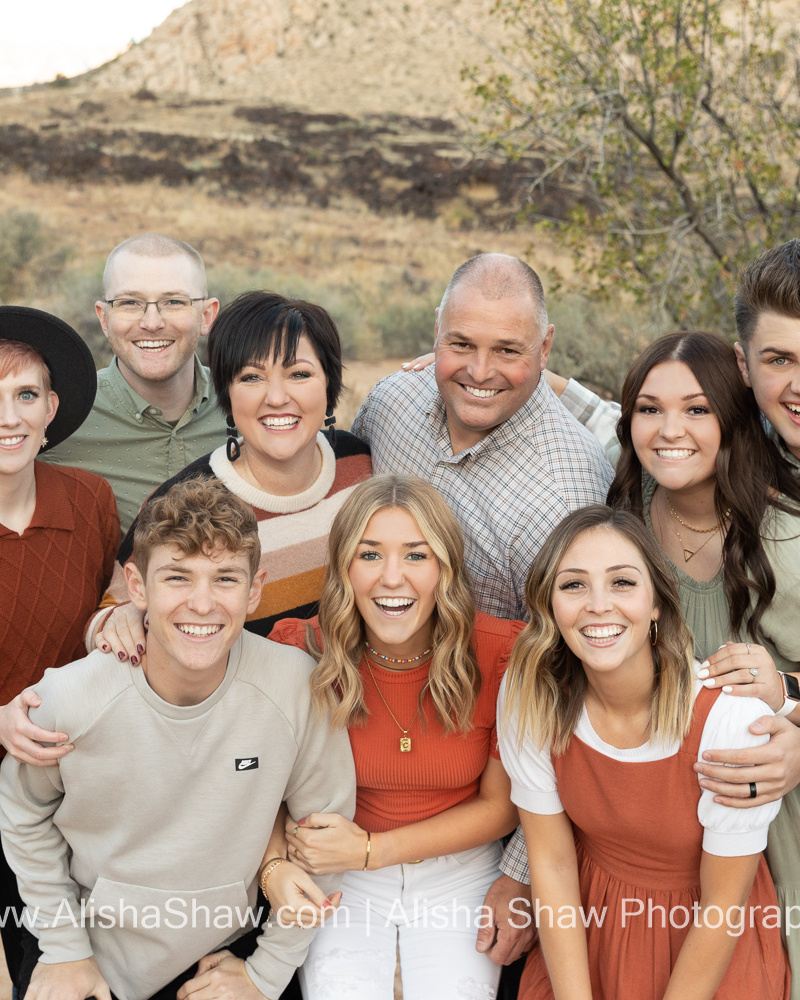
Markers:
<point>266,871</point>
<point>369,844</point>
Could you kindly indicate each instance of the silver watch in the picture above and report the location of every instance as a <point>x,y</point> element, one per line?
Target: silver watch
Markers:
<point>791,693</point>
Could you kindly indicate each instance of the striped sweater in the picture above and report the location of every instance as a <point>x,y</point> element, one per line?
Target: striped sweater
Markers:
<point>293,531</point>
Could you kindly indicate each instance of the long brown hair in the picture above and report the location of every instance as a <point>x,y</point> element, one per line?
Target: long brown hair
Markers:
<point>750,472</point>
<point>545,682</point>
<point>454,679</point>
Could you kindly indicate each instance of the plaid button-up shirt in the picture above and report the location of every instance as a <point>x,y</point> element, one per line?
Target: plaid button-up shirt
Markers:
<point>508,491</point>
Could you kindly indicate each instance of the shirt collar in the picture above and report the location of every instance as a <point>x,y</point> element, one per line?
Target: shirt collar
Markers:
<point>138,406</point>
<point>520,422</point>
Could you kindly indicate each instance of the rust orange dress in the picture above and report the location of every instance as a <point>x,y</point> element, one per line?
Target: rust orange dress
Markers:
<point>639,841</point>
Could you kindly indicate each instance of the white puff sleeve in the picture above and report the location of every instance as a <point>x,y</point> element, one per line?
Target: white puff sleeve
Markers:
<point>728,832</point>
<point>533,781</point>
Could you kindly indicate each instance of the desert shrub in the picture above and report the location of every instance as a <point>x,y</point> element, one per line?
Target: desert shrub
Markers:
<point>32,257</point>
<point>595,341</point>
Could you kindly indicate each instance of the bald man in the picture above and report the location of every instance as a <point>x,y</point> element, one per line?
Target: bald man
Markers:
<point>485,429</point>
<point>155,410</point>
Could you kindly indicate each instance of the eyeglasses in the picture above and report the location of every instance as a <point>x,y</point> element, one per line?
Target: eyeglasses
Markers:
<point>136,308</point>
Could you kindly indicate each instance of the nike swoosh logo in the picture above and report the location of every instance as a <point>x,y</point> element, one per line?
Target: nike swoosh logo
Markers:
<point>244,764</point>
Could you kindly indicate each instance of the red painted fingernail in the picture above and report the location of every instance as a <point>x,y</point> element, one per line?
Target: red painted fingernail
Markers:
<point>140,649</point>
<point>134,660</point>
<point>121,656</point>
<point>327,906</point>
<point>301,822</point>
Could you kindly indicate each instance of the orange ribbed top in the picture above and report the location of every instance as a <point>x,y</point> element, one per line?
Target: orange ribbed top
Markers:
<point>440,771</point>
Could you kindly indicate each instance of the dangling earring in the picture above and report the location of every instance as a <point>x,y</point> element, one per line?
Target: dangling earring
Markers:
<point>330,420</point>
<point>44,440</point>
<point>653,632</point>
<point>232,449</point>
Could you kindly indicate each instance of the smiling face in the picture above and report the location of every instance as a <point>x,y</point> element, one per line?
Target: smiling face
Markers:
<point>25,411</point>
<point>394,574</point>
<point>489,356</point>
<point>278,409</point>
<point>603,602</point>
<point>674,432</point>
<point>771,367</point>
<point>196,606</point>
<point>151,348</point>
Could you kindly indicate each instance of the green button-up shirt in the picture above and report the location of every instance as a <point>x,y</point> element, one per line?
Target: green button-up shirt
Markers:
<point>127,441</point>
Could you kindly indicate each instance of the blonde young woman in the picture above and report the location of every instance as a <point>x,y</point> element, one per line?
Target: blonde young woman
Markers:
<point>657,890</point>
<point>413,672</point>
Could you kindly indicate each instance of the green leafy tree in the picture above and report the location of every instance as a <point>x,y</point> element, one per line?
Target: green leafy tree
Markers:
<point>672,125</point>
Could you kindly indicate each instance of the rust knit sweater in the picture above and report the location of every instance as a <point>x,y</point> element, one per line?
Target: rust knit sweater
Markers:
<point>53,574</point>
<point>394,788</point>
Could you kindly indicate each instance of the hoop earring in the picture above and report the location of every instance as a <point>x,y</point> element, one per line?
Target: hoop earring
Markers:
<point>232,448</point>
<point>330,421</point>
<point>653,632</point>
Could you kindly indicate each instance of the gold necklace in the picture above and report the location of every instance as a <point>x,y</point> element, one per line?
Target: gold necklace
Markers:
<point>691,527</point>
<point>405,739</point>
<point>689,553</point>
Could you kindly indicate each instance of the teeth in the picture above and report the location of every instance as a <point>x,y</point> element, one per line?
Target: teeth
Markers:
<point>153,344</point>
<point>481,393</point>
<point>394,602</point>
<point>602,631</point>
<point>280,421</point>
<point>8,442</point>
<point>674,452</point>
<point>793,408</point>
<point>199,630</point>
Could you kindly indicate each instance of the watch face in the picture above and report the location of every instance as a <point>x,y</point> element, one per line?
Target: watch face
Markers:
<point>791,686</point>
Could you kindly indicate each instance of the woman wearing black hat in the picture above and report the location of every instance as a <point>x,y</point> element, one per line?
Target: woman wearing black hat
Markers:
<point>59,527</point>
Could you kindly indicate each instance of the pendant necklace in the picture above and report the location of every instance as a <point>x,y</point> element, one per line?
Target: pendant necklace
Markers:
<point>405,739</point>
<point>689,553</point>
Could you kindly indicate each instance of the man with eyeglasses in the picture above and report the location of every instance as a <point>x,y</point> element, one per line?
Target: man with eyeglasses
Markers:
<point>155,410</point>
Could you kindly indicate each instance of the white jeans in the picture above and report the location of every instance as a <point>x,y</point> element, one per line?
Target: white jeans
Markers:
<point>432,910</point>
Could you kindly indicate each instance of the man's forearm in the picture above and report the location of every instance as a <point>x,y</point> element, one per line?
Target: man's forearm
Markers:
<point>514,862</point>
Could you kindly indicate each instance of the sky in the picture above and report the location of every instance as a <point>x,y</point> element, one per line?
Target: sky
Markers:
<point>44,37</point>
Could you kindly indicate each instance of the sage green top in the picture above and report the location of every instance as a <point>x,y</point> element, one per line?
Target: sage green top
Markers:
<point>705,606</point>
<point>128,442</point>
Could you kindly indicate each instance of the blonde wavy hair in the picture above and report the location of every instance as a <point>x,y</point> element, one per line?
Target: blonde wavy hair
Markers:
<point>545,680</point>
<point>454,679</point>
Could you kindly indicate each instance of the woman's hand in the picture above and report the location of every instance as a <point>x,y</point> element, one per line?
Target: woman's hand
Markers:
<point>21,737</point>
<point>731,668</point>
<point>423,361</point>
<point>296,899</point>
<point>123,633</point>
<point>325,843</point>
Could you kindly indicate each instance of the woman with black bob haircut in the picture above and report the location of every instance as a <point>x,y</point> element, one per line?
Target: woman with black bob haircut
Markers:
<point>276,364</point>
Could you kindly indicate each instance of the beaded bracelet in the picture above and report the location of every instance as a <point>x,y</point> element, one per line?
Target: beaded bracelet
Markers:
<point>266,871</point>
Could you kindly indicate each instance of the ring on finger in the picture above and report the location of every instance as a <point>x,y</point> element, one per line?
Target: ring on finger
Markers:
<point>753,790</point>
<point>748,647</point>
<point>294,832</point>
<point>754,672</point>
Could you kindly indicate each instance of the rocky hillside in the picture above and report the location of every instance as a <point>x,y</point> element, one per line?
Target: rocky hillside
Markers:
<point>351,57</point>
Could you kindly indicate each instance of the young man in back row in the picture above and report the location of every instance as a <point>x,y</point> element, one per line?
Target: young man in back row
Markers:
<point>138,855</point>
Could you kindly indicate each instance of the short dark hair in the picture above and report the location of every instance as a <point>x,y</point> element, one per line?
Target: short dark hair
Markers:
<point>770,283</point>
<point>259,324</point>
<point>197,515</point>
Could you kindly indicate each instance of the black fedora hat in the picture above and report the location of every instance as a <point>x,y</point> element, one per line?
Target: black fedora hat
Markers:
<point>72,371</point>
